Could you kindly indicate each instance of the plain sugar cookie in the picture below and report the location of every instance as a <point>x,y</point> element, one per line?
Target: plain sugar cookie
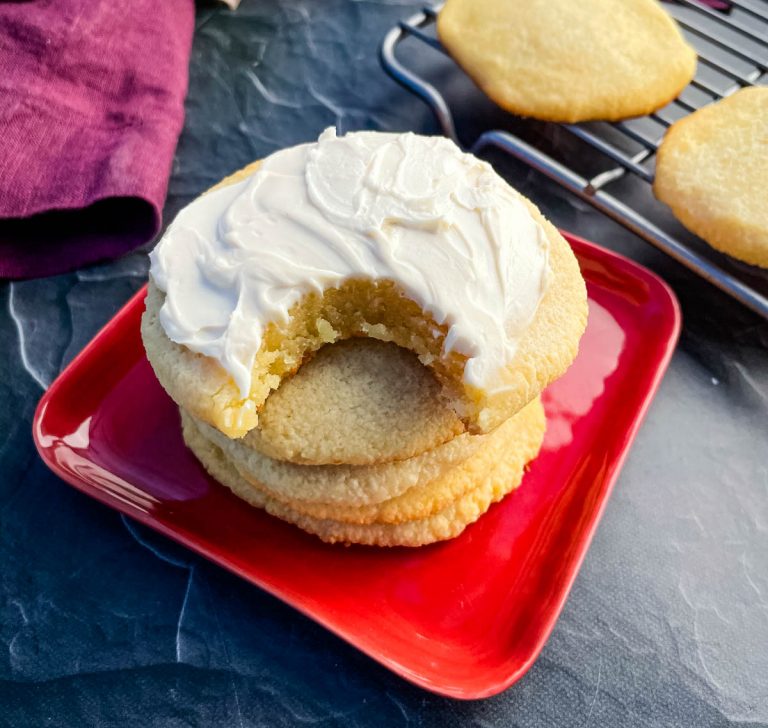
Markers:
<point>372,402</point>
<point>445,524</point>
<point>569,60</point>
<point>413,489</point>
<point>712,170</point>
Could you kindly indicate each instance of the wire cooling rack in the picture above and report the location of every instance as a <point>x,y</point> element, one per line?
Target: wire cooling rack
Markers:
<point>732,46</point>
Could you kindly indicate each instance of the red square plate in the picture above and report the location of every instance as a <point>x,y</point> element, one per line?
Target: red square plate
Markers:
<point>465,618</point>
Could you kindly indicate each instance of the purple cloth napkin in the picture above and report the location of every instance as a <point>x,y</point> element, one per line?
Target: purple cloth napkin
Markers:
<point>91,107</point>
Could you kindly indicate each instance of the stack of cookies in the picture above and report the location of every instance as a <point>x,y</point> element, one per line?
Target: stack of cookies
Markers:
<point>416,477</point>
<point>357,332</point>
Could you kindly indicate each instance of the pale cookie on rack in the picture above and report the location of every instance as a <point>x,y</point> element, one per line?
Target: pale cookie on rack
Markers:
<point>412,489</point>
<point>395,237</point>
<point>506,476</point>
<point>567,61</point>
<point>712,170</point>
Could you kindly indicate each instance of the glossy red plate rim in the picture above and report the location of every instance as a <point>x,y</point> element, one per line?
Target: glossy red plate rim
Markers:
<point>582,539</point>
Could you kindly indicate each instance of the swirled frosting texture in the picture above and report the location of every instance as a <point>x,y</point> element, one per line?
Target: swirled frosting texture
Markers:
<point>416,210</point>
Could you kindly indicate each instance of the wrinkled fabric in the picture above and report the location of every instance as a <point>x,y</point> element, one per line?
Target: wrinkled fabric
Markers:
<point>91,107</point>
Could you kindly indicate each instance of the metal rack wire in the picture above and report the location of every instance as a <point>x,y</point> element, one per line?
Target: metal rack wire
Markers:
<point>733,53</point>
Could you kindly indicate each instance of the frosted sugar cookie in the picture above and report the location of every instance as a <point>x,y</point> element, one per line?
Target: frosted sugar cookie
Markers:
<point>446,523</point>
<point>561,60</point>
<point>391,236</point>
<point>712,169</point>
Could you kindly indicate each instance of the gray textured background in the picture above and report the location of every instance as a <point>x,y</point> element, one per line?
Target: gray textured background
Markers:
<point>104,623</point>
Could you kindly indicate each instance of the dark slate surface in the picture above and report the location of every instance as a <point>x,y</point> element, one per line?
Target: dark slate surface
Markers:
<point>104,623</point>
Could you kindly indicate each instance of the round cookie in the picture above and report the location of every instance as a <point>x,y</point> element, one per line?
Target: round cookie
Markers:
<point>445,524</point>
<point>567,61</point>
<point>712,168</point>
<point>354,483</point>
<point>376,309</point>
<point>371,402</point>
<point>320,495</point>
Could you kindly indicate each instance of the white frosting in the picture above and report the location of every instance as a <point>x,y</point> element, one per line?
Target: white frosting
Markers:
<point>416,210</point>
